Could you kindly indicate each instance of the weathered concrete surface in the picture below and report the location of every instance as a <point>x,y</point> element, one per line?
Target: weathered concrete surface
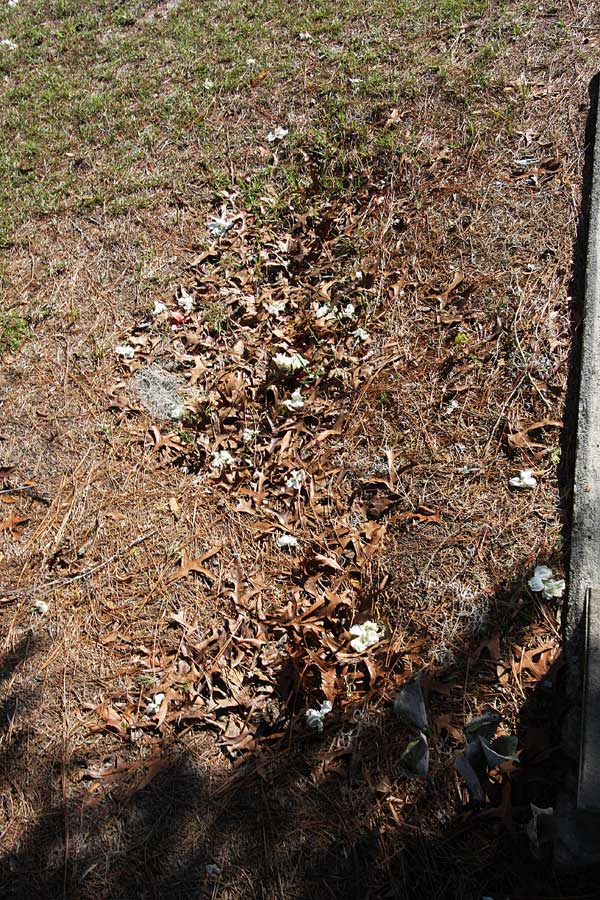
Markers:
<point>578,810</point>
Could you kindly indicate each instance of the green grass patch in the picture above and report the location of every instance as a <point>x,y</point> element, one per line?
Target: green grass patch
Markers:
<point>13,331</point>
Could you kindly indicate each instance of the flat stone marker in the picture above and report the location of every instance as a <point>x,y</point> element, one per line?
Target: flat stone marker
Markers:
<point>583,646</point>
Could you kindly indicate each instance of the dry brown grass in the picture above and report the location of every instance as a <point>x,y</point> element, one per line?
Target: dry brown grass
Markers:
<point>302,815</point>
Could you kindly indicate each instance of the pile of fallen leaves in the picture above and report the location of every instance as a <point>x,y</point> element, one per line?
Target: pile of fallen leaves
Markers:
<point>275,349</point>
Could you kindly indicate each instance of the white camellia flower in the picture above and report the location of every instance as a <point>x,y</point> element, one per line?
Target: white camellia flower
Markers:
<point>361,335</point>
<point>125,350</point>
<point>347,312</point>
<point>277,308</point>
<point>296,402</point>
<point>186,301</point>
<point>159,308</point>
<point>287,542</point>
<point>525,480</point>
<point>277,134</point>
<point>286,363</point>
<point>248,435</point>
<point>153,706</point>
<point>314,717</point>
<point>40,606</point>
<point>543,581</point>
<point>323,311</point>
<point>296,479</point>
<point>366,635</point>
<point>219,227</point>
<point>222,459</point>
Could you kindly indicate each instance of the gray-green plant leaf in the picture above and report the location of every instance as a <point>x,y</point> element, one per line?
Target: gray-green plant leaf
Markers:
<point>415,758</point>
<point>409,705</point>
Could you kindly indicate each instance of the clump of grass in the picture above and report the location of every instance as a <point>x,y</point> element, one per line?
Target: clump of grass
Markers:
<point>13,331</point>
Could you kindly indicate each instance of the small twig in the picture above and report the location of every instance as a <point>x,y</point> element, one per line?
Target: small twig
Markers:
<point>78,576</point>
<point>29,491</point>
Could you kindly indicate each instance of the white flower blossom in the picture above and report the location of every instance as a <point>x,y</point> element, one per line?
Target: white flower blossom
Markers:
<point>219,226</point>
<point>222,459</point>
<point>305,36</point>
<point>277,308</point>
<point>186,301</point>
<point>277,134</point>
<point>12,3</point>
<point>153,706</point>
<point>248,435</point>
<point>524,480</point>
<point>250,62</point>
<point>286,363</point>
<point>8,44</point>
<point>287,542</point>
<point>347,312</point>
<point>40,606</point>
<point>159,308</point>
<point>208,84</point>
<point>323,311</point>
<point>125,350</point>
<point>296,402</point>
<point>296,479</point>
<point>366,635</point>
<point>453,405</point>
<point>543,581</point>
<point>314,717</point>
<point>361,335</point>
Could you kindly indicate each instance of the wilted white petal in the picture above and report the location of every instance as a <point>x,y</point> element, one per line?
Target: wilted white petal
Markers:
<point>286,363</point>
<point>159,308</point>
<point>296,479</point>
<point>8,44</point>
<point>277,134</point>
<point>366,635</point>
<point>542,580</point>
<point>361,335</point>
<point>219,227</point>
<point>208,84</point>
<point>305,36</point>
<point>314,717</point>
<point>277,308</point>
<point>125,350</point>
<point>153,706</point>
<point>212,870</point>
<point>250,61</point>
<point>40,606</point>
<point>186,301</point>
<point>524,480</point>
<point>296,402</point>
<point>347,312</point>
<point>287,542</point>
<point>451,407</point>
<point>248,435</point>
<point>222,459</point>
<point>554,587</point>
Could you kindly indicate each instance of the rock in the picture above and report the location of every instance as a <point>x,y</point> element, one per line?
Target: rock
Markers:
<point>159,392</point>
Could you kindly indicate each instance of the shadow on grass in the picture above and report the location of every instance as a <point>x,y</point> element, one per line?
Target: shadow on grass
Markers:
<point>327,817</point>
